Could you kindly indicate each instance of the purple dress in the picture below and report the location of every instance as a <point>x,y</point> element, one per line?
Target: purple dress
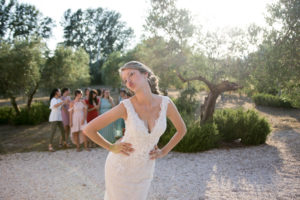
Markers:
<point>64,111</point>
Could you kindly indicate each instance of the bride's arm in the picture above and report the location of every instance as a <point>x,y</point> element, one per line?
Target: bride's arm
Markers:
<point>177,121</point>
<point>91,130</point>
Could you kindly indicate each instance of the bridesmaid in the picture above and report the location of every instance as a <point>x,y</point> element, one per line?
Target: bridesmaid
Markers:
<point>78,114</point>
<point>106,104</point>
<point>86,93</point>
<point>99,96</point>
<point>55,118</point>
<point>65,113</point>
<point>120,124</point>
<point>93,106</point>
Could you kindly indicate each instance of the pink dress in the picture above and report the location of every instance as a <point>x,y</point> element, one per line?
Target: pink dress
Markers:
<point>64,111</point>
<point>78,116</point>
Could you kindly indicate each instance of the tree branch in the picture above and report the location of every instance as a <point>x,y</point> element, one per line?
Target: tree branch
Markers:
<point>199,78</point>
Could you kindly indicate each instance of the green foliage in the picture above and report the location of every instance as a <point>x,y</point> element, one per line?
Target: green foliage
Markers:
<point>156,54</point>
<point>164,17</point>
<point>39,112</point>
<point>67,68</point>
<point>6,114</point>
<point>258,129</point>
<point>110,73</point>
<point>227,121</point>
<point>98,31</point>
<point>276,63</point>
<point>21,64</point>
<point>271,100</point>
<point>187,101</point>
<point>198,138</point>
<point>247,125</point>
<point>22,20</point>
<point>292,92</point>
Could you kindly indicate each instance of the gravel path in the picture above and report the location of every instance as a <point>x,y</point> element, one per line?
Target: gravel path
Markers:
<point>270,171</point>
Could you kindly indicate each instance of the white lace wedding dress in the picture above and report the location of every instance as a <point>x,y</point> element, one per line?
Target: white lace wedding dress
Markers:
<point>129,177</point>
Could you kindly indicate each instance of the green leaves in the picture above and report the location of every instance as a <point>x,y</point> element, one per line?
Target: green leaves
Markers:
<point>166,20</point>
<point>98,31</point>
<point>23,21</point>
<point>20,66</point>
<point>67,68</point>
<point>247,125</point>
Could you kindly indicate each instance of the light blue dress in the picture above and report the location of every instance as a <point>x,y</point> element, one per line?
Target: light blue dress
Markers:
<point>107,132</point>
<point>120,124</point>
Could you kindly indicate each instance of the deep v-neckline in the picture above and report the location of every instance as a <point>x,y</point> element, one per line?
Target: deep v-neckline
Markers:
<point>143,122</point>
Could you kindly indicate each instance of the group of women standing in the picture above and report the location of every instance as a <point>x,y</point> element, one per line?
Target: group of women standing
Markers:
<point>70,116</point>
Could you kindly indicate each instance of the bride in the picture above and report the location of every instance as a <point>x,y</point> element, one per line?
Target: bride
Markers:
<point>130,163</point>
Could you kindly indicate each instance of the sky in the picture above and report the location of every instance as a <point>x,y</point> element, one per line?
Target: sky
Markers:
<point>211,14</point>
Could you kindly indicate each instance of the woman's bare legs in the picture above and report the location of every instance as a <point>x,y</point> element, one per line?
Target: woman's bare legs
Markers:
<point>67,133</point>
<point>86,143</point>
<point>76,139</point>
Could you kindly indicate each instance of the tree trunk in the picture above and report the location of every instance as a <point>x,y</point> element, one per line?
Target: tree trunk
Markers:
<point>208,108</point>
<point>14,104</point>
<point>30,96</point>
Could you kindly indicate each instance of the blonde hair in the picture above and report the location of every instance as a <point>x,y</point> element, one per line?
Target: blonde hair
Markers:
<point>152,79</point>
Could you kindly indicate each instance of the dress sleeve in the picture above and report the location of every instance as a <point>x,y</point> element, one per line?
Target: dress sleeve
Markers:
<point>70,109</point>
<point>52,103</point>
<point>85,105</point>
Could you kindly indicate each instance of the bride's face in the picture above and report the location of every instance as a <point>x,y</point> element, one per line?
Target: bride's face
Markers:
<point>133,79</point>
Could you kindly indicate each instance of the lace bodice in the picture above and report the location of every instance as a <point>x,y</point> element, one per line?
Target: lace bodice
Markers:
<point>136,131</point>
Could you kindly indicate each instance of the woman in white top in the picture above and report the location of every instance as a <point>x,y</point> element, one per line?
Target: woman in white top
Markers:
<point>55,118</point>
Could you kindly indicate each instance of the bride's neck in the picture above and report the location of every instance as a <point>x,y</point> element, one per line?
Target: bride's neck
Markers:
<point>144,97</point>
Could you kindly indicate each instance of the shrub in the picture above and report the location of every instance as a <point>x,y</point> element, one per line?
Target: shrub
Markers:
<point>6,114</point>
<point>39,112</point>
<point>247,125</point>
<point>187,101</point>
<point>198,138</point>
<point>226,121</point>
<point>271,100</point>
<point>257,129</point>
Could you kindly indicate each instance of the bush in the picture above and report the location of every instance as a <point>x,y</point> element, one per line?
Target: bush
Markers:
<point>198,138</point>
<point>247,125</point>
<point>271,100</point>
<point>226,121</point>
<point>39,112</point>
<point>6,114</point>
<point>187,101</point>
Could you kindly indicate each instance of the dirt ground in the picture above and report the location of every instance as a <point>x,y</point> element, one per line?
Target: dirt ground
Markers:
<point>35,138</point>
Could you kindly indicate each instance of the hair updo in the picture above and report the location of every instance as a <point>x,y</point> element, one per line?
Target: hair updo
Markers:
<point>152,79</point>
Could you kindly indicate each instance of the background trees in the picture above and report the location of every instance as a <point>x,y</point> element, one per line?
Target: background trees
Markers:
<point>275,66</point>
<point>21,64</point>
<point>23,21</point>
<point>99,32</point>
<point>66,68</point>
<point>262,59</point>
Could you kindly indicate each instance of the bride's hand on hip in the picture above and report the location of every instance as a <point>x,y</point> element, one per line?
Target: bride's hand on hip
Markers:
<point>121,147</point>
<point>156,153</point>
